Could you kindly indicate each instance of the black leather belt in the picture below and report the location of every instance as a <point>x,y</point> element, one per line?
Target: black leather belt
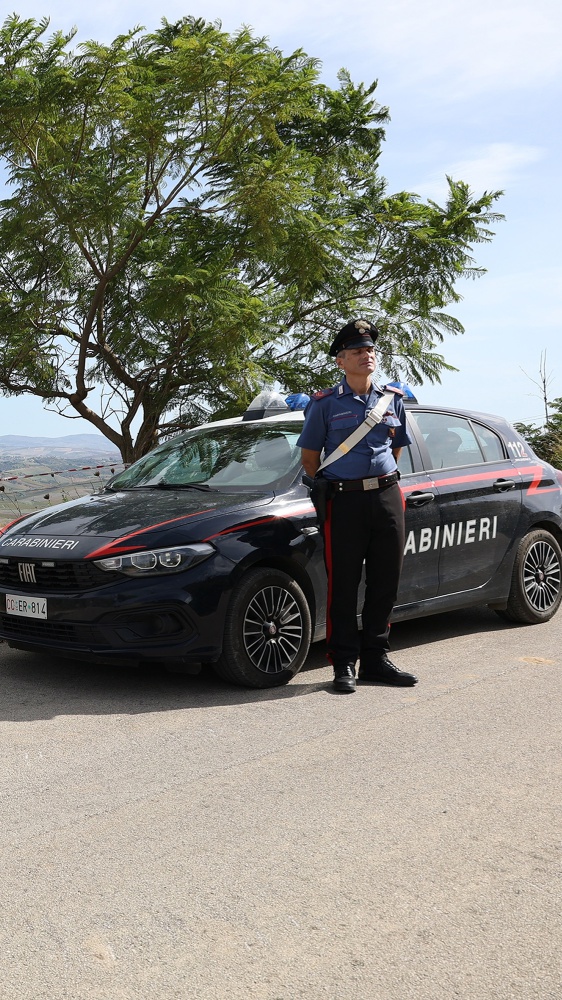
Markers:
<point>343,485</point>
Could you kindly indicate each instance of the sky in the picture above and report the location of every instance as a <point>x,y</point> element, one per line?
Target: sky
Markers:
<point>474,91</point>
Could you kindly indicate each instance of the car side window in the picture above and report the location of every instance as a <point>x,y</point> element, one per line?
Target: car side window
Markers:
<point>405,462</point>
<point>489,442</point>
<point>450,440</point>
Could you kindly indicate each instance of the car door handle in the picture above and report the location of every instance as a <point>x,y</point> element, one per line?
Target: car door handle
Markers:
<point>503,485</point>
<point>309,531</point>
<point>419,499</point>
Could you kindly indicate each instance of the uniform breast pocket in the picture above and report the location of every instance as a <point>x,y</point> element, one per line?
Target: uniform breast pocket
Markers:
<point>345,423</point>
<point>342,427</point>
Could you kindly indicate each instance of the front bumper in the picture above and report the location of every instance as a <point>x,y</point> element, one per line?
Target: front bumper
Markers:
<point>179,617</point>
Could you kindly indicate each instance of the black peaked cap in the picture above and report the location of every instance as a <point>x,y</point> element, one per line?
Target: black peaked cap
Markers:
<point>357,333</point>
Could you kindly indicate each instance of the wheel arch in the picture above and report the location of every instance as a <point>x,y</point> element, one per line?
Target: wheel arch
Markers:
<point>531,602</point>
<point>549,526</point>
<point>237,663</point>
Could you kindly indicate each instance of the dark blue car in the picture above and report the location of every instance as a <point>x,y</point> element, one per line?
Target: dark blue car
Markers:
<point>208,550</point>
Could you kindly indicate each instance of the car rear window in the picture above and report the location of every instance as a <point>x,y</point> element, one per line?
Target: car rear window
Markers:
<point>489,442</point>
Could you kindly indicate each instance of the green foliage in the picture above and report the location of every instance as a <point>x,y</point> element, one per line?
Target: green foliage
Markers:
<point>192,213</point>
<point>546,441</point>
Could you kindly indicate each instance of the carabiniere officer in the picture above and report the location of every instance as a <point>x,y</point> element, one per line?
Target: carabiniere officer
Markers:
<point>364,511</point>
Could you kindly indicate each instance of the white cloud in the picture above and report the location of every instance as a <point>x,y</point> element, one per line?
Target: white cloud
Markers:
<point>473,45</point>
<point>499,165</point>
<point>520,302</point>
<point>454,48</point>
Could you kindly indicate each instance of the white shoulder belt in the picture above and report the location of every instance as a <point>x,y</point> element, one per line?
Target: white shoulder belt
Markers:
<point>371,420</point>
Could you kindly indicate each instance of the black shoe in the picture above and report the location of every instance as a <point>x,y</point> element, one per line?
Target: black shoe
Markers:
<point>384,672</point>
<point>344,678</point>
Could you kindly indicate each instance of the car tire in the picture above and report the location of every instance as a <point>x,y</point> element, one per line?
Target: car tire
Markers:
<point>267,630</point>
<point>536,582</point>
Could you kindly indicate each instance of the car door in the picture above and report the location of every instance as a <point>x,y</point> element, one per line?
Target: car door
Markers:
<point>420,570</point>
<point>478,494</point>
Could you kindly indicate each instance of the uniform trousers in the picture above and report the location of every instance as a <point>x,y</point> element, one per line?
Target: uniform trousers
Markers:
<point>362,527</point>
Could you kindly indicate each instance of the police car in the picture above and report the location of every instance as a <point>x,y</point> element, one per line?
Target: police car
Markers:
<point>207,550</point>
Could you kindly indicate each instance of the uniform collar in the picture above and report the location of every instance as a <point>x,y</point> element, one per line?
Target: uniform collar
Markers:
<point>345,390</point>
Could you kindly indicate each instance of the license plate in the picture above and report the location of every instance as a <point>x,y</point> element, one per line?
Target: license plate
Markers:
<point>26,607</point>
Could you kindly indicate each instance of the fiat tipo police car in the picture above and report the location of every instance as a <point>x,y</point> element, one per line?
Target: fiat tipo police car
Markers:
<point>207,550</point>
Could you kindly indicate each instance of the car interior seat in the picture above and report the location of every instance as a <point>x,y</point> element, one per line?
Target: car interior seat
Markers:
<point>443,447</point>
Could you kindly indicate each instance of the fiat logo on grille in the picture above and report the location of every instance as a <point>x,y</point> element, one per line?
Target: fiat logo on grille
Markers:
<point>27,572</point>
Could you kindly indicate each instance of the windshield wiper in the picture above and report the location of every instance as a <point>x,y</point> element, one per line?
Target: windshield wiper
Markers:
<point>178,486</point>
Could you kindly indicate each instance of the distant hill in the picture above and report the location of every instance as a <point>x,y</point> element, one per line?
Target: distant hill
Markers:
<point>70,444</point>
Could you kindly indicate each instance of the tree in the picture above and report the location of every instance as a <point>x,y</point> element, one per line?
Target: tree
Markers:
<point>189,213</point>
<point>546,441</point>
<point>543,385</point>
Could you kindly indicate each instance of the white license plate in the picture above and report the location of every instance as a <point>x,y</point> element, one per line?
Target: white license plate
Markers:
<point>27,607</point>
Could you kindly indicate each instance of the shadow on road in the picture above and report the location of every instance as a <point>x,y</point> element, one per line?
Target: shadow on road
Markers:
<point>34,686</point>
<point>436,628</point>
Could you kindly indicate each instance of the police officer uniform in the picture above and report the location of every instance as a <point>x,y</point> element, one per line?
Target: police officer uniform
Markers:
<point>364,521</point>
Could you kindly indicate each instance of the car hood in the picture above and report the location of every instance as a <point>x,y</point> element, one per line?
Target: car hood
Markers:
<point>121,520</point>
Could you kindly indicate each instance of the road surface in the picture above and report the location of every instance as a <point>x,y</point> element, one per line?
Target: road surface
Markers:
<point>174,837</point>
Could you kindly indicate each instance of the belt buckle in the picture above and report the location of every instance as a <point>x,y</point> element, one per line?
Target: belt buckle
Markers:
<point>370,484</point>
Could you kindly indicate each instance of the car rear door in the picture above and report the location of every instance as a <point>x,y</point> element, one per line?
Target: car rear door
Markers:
<point>478,494</point>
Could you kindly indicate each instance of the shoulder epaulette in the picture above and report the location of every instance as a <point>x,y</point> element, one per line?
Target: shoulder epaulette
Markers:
<point>393,388</point>
<point>323,392</point>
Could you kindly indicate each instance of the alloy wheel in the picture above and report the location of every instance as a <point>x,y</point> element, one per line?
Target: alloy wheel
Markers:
<point>273,629</point>
<point>541,576</point>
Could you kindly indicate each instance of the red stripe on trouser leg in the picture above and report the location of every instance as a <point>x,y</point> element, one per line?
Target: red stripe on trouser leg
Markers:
<point>328,563</point>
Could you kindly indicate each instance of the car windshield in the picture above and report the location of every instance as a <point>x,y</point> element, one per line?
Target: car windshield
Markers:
<point>237,458</point>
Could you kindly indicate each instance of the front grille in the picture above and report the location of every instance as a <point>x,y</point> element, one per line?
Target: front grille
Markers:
<point>61,576</point>
<point>12,627</point>
<point>153,625</point>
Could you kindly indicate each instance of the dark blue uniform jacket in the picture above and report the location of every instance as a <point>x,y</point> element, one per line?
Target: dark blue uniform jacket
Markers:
<point>333,414</point>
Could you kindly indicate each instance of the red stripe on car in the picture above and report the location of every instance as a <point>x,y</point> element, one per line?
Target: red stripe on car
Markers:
<point>240,527</point>
<point>262,520</point>
<point>536,471</point>
<point>116,546</point>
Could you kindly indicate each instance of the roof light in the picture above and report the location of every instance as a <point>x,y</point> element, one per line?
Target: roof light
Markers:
<point>297,401</point>
<point>408,394</point>
<point>267,403</point>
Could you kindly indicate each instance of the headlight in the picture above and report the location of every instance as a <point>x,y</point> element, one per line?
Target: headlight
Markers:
<point>156,561</point>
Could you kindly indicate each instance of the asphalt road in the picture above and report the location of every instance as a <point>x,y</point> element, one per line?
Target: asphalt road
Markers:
<point>169,837</point>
